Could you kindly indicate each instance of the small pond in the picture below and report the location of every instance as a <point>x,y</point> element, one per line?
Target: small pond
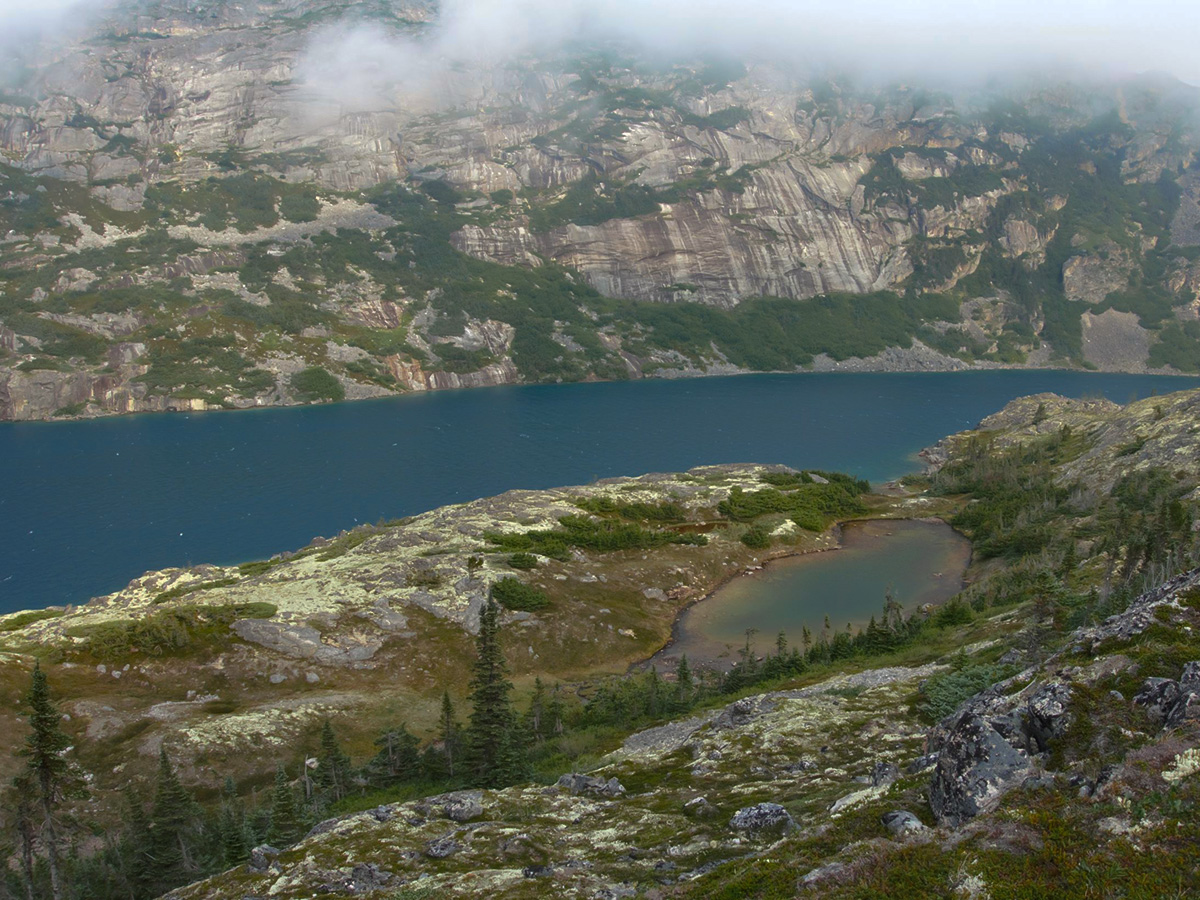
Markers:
<point>920,561</point>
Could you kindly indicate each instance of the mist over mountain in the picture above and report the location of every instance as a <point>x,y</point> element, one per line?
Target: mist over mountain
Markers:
<point>209,204</point>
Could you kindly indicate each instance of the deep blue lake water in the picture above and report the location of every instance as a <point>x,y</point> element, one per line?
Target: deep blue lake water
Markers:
<point>86,506</point>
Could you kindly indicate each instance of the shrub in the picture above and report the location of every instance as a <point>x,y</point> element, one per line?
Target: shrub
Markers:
<point>168,631</point>
<point>523,561</point>
<point>314,383</point>
<point>955,612</point>
<point>946,691</point>
<point>514,594</point>
<point>757,538</point>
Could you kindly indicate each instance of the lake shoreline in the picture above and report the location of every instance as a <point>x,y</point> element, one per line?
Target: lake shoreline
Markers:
<point>854,366</point>
<point>663,655</point>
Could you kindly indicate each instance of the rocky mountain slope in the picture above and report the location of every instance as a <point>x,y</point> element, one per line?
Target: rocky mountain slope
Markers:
<point>1073,771</point>
<point>812,792</point>
<point>286,641</point>
<point>189,219</point>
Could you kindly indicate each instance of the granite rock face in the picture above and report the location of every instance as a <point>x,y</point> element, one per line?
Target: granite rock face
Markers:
<point>976,768</point>
<point>181,153</point>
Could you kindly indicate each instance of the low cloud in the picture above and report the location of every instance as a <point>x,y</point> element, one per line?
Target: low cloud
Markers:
<point>934,41</point>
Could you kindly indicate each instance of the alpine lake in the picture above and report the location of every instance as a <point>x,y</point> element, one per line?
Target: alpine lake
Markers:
<point>85,506</point>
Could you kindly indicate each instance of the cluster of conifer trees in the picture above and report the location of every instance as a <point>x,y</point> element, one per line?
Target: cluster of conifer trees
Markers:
<point>168,838</point>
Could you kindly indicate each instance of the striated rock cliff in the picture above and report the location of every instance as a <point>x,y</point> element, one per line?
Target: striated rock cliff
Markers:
<point>261,175</point>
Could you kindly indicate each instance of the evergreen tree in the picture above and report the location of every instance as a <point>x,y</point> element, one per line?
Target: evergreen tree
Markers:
<point>170,818</point>
<point>24,812</point>
<point>495,756</point>
<point>653,693</point>
<point>535,718</point>
<point>333,766</point>
<point>232,826</point>
<point>51,775</point>
<point>287,825</point>
<point>555,711</point>
<point>398,758</point>
<point>685,686</point>
<point>449,735</point>
<point>136,847</point>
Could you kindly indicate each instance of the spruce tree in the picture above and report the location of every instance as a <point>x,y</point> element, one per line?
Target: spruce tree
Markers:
<point>536,716</point>
<point>287,826</point>
<point>449,735</point>
<point>21,802</point>
<point>684,683</point>
<point>333,766</point>
<point>398,759</point>
<point>171,816</point>
<point>232,827</point>
<point>555,711</point>
<point>136,847</point>
<point>653,693</point>
<point>50,773</point>
<point>495,755</point>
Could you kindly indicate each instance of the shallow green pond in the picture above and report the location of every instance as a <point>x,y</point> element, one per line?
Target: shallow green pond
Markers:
<point>920,562</point>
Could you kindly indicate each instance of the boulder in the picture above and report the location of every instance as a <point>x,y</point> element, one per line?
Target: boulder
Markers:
<point>975,769</point>
<point>366,877</point>
<point>442,847</point>
<point>1047,714</point>
<point>591,784</point>
<point>738,714</point>
<point>921,763</point>
<point>901,822</point>
<point>884,773</point>
<point>463,806</point>
<point>762,817</point>
<point>1186,709</point>
<point>1172,702</point>
<point>1158,695</point>
<point>261,857</point>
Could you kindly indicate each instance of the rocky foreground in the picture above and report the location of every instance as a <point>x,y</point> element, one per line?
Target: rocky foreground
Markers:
<point>841,768</point>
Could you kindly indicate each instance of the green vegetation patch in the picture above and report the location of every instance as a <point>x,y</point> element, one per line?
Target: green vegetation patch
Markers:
<point>209,367</point>
<point>601,536</point>
<point>184,589</point>
<point>1178,346</point>
<point>665,511</point>
<point>811,506</point>
<point>776,334</point>
<point>512,593</point>
<point>315,383</point>
<point>168,632</point>
<point>945,692</point>
<point>246,201</point>
<point>20,620</point>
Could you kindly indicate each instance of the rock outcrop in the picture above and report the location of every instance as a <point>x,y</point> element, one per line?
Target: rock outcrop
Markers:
<point>976,767</point>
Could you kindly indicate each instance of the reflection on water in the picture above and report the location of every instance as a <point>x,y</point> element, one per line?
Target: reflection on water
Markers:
<point>920,562</point>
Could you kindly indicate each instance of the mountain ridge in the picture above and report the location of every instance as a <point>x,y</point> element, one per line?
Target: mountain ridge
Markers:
<point>184,231</point>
